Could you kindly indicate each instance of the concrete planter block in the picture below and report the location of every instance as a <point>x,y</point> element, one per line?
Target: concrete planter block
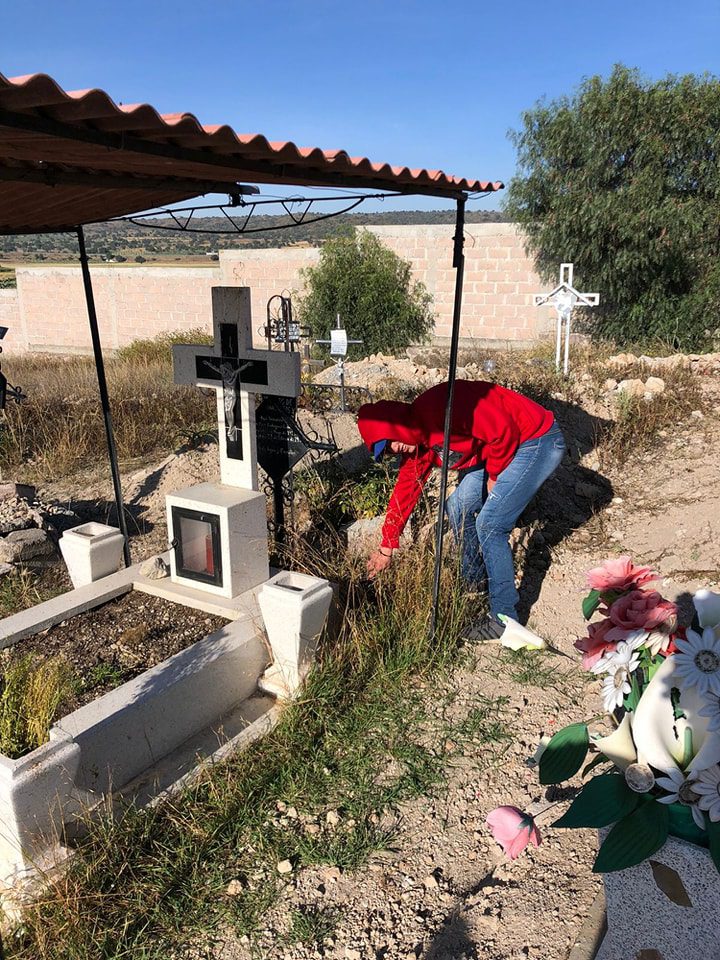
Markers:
<point>294,608</point>
<point>91,551</point>
<point>242,518</point>
<point>667,908</point>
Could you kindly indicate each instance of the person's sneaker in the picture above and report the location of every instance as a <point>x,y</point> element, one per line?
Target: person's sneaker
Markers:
<point>489,628</point>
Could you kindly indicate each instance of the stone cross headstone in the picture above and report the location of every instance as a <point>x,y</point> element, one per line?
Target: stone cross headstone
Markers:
<point>564,298</point>
<point>236,371</point>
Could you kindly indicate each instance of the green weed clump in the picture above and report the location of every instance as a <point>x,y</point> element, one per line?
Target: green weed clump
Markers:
<point>367,495</point>
<point>18,591</point>
<point>32,691</point>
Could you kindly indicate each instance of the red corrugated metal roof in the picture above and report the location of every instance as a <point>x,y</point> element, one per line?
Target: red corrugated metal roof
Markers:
<point>72,157</point>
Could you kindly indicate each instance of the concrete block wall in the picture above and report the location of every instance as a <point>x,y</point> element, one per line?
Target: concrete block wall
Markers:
<point>48,313</point>
<point>131,303</point>
<point>10,318</point>
<point>499,278</point>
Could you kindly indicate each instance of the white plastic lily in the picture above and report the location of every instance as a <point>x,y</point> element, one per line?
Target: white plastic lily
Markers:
<point>665,742</point>
<point>707,605</point>
<point>517,637</point>
<point>653,736</point>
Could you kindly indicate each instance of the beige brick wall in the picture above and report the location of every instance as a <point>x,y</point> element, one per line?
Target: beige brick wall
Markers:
<point>498,285</point>
<point>49,313</point>
<point>131,302</point>
<point>10,317</point>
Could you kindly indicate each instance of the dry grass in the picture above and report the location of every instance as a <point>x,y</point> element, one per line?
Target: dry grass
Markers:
<point>31,694</point>
<point>59,429</point>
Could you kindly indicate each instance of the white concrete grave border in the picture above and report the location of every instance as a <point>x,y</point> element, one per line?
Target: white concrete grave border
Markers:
<point>159,728</point>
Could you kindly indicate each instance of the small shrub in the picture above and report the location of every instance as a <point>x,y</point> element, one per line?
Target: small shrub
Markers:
<point>367,495</point>
<point>372,290</point>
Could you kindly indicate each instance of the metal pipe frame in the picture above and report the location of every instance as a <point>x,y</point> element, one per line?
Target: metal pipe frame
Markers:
<point>104,398</point>
<point>459,265</point>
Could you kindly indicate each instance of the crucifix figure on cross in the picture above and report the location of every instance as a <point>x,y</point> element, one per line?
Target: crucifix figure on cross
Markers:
<point>564,298</point>
<point>236,371</point>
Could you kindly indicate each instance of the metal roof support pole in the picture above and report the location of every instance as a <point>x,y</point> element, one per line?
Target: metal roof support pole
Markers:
<point>104,399</point>
<point>459,265</point>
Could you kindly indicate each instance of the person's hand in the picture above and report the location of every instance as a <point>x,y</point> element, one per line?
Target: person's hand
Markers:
<point>378,562</point>
<point>490,484</point>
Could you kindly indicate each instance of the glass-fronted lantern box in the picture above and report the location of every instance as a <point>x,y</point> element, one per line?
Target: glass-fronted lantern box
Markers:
<point>197,545</point>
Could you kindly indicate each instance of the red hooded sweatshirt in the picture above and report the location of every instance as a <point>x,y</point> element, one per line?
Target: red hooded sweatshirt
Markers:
<point>488,425</point>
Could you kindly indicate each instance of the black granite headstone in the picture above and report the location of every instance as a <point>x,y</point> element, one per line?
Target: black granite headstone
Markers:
<point>280,441</point>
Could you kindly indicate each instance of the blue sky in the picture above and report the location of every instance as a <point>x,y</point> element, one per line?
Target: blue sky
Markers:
<point>417,83</point>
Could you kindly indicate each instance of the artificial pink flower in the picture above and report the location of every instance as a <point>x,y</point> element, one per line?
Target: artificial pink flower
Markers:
<point>644,610</point>
<point>619,574</point>
<point>596,643</point>
<point>513,830</point>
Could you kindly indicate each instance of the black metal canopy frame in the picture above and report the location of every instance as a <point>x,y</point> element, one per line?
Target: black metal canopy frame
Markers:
<point>182,223</point>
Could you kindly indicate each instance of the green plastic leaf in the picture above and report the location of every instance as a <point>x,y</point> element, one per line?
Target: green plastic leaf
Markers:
<point>713,830</point>
<point>595,762</point>
<point>633,698</point>
<point>602,801</point>
<point>591,603</point>
<point>634,838</point>
<point>565,753</point>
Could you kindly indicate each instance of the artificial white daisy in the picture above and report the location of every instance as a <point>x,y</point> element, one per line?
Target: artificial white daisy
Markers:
<point>711,710</point>
<point>657,641</point>
<point>681,789</point>
<point>697,662</point>
<point>623,658</point>
<point>708,787</point>
<point>614,690</point>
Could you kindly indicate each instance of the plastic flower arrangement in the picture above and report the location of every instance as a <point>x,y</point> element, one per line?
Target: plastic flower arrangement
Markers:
<point>658,773</point>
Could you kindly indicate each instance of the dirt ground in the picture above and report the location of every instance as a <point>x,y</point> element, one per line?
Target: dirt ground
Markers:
<point>445,891</point>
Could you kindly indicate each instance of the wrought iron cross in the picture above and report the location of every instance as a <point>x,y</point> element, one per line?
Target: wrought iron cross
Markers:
<point>339,344</point>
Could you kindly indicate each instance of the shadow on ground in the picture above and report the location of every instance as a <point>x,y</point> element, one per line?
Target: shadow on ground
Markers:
<point>452,942</point>
<point>566,501</point>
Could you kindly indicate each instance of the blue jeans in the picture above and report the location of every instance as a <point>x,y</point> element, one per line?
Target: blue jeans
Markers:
<point>482,521</point>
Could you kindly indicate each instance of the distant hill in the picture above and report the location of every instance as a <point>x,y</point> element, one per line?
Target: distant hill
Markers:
<point>122,241</point>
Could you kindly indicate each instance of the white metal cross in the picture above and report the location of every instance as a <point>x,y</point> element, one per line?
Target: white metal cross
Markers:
<point>236,371</point>
<point>564,298</point>
<point>339,344</point>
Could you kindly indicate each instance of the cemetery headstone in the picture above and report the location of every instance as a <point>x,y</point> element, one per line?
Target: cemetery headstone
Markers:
<point>339,344</point>
<point>565,298</point>
<point>219,531</point>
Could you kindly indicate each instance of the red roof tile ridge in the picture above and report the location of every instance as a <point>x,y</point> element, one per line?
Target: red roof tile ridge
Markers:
<point>178,124</point>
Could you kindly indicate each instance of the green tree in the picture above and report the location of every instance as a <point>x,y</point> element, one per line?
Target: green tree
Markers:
<point>623,179</point>
<point>372,290</point>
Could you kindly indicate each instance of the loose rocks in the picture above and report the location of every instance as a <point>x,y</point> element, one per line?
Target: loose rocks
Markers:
<point>25,545</point>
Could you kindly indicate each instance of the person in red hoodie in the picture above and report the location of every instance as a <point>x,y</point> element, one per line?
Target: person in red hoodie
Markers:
<point>503,446</point>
